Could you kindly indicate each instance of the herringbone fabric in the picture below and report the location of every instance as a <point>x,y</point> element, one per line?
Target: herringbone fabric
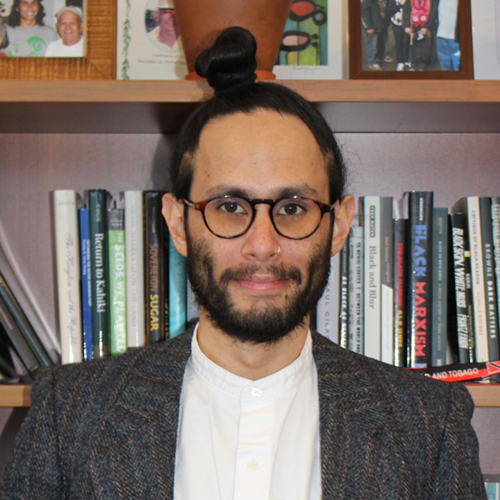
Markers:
<point>108,429</point>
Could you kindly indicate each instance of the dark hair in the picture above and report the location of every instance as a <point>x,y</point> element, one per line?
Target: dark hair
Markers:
<point>5,38</point>
<point>229,66</point>
<point>15,15</point>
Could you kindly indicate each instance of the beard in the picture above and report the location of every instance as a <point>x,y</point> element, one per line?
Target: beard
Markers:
<point>257,325</point>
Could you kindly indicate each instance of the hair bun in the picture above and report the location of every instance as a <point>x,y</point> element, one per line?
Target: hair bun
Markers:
<point>230,64</point>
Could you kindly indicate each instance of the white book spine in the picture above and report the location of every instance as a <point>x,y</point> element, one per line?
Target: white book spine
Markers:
<point>476,260</point>
<point>372,284</point>
<point>356,290</point>
<point>134,249</point>
<point>68,275</point>
<point>327,312</point>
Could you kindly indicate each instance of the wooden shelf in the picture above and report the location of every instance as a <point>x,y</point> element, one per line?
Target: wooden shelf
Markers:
<point>484,396</point>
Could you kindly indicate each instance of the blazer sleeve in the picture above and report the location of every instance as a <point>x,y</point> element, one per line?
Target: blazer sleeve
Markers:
<point>34,471</point>
<point>458,474</point>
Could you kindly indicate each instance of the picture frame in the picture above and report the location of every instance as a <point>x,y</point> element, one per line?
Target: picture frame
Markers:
<point>430,70</point>
<point>486,39</point>
<point>98,63</point>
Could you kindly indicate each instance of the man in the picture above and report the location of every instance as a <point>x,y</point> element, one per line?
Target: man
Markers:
<point>448,41</point>
<point>28,35</point>
<point>250,403</point>
<point>374,22</point>
<point>70,28</point>
<point>166,35</point>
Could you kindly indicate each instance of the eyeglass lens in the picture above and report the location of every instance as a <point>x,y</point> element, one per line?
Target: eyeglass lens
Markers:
<point>293,218</point>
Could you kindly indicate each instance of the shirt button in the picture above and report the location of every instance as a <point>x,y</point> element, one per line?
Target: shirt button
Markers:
<point>252,464</point>
<point>256,392</point>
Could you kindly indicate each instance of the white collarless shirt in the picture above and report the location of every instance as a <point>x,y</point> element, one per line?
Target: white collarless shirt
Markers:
<point>240,439</point>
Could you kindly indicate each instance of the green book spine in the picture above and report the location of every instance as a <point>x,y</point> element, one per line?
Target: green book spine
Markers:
<point>99,263</point>
<point>117,283</point>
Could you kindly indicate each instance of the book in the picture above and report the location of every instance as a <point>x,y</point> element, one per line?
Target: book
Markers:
<point>154,267</point>
<point>192,307</point>
<point>400,286</point>
<point>134,250</point>
<point>86,275</point>
<point>490,286</point>
<point>344,297</point>
<point>67,242</point>
<point>177,291</point>
<point>471,209</point>
<point>495,223</point>
<point>327,310</point>
<point>386,281</point>
<point>98,200</point>
<point>492,486</point>
<point>439,286</point>
<point>117,281</point>
<point>459,322</point>
<point>355,300</point>
<point>417,206</point>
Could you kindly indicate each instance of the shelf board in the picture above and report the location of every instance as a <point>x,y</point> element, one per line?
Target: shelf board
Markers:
<point>484,395</point>
<point>161,107</point>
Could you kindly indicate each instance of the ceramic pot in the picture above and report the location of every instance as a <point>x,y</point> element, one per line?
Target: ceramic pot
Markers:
<point>201,21</point>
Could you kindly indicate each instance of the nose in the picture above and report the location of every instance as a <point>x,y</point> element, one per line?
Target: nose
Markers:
<point>261,241</point>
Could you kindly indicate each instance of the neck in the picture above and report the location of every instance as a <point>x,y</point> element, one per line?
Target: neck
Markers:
<point>27,23</point>
<point>251,361</point>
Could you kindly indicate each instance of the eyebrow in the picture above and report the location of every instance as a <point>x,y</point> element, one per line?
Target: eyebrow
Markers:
<point>301,190</point>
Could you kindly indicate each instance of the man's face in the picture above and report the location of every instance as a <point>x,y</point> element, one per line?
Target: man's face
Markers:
<point>28,9</point>
<point>166,20</point>
<point>259,286</point>
<point>69,28</point>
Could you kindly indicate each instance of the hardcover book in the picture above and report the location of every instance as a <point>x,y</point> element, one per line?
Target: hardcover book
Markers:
<point>328,309</point>
<point>400,286</point>
<point>344,297</point>
<point>355,301</point>
<point>86,284</point>
<point>177,291</point>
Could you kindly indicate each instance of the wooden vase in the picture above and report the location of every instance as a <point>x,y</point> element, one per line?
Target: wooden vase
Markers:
<point>201,21</point>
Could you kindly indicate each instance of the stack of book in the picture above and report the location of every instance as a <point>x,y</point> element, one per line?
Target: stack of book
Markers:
<point>418,286</point>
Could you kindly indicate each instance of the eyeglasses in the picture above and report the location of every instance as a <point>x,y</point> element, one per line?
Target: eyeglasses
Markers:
<point>229,216</point>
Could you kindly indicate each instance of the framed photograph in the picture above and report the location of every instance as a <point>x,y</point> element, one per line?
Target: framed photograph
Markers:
<point>42,28</point>
<point>314,43</point>
<point>486,39</point>
<point>410,39</point>
<point>149,45</point>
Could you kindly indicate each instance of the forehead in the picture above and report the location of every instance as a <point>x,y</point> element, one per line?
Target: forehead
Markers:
<point>261,153</point>
<point>69,17</point>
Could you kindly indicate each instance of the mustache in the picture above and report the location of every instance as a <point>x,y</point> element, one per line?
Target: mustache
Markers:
<point>245,272</point>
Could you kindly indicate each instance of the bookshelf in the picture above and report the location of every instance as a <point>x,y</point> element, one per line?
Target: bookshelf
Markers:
<point>17,396</point>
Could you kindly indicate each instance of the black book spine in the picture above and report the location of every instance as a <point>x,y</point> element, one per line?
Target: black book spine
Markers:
<point>17,340</point>
<point>469,296</point>
<point>490,286</point>
<point>400,278</point>
<point>24,325</point>
<point>6,362</point>
<point>154,267</point>
<point>420,278</point>
<point>458,321</point>
<point>344,294</point>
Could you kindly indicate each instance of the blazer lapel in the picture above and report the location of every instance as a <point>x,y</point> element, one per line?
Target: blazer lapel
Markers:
<point>358,460</point>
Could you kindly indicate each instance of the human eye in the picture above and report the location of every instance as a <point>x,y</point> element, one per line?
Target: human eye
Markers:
<point>292,208</point>
<point>231,206</point>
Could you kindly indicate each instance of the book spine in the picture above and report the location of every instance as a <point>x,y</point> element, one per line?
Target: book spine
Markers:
<point>134,250</point>
<point>386,282</point>
<point>372,276</point>
<point>68,275</point>
<point>327,310</point>
<point>177,291</point>
<point>99,266</point>
<point>86,284</point>
<point>439,286</point>
<point>495,223</point>
<point>490,286</point>
<point>17,340</point>
<point>470,208</point>
<point>154,267</point>
<point>458,321</point>
<point>470,301</point>
<point>420,278</point>
<point>344,297</point>
<point>192,307</point>
<point>400,278</point>
<point>356,290</point>
<point>117,281</point>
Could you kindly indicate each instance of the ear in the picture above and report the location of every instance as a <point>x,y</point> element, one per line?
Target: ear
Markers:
<point>344,213</point>
<point>173,211</point>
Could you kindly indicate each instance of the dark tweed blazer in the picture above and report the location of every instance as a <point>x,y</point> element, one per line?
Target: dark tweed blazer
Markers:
<point>108,430</point>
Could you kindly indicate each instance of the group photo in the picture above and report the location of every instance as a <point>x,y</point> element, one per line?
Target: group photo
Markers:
<point>42,28</point>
